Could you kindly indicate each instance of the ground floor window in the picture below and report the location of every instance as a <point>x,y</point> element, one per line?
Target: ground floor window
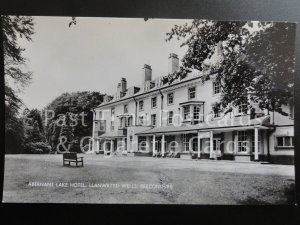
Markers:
<point>185,142</point>
<point>246,141</point>
<point>100,146</point>
<point>170,143</point>
<point>216,144</point>
<point>122,143</point>
<point>125,144</point>
<point>252,140</point>
<point>142,144</point>
<point>242,142</point>
<point>187,146</point>
<point>158,144</point>
<point>285,141</point>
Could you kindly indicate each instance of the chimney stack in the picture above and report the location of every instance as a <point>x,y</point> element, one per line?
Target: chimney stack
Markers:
<point>173,63</point>
<point>122,86</point>
<point>147,72</point>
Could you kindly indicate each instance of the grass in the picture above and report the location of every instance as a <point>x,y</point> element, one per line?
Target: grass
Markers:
<point>192,182</point>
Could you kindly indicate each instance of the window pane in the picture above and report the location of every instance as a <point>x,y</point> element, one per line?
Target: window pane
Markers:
<point>279,141</point>
<point>287,141</point>
<point>192,93</point>
<point>170,98</point>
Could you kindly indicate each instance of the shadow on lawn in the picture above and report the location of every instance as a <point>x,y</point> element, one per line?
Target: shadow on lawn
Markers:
<point>288,199</point>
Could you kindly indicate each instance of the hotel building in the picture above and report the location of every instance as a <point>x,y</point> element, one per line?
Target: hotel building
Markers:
<point>156,118</point>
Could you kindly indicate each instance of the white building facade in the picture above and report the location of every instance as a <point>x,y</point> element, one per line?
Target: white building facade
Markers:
<point>178,120</point>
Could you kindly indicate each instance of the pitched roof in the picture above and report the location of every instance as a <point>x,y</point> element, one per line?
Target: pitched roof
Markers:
<point>242,121</point>
<point>111,135</point>
<point>189,77</point>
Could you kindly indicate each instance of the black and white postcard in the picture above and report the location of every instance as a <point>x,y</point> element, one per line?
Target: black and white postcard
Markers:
<point>148,111</point>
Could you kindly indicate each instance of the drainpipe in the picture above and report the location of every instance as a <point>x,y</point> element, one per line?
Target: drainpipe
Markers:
<point>269,132</point>
<point>93,138</point>
<point>135,117</point>
<point>161,106</point>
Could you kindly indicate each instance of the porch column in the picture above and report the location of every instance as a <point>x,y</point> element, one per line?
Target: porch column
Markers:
<point>163,145</point>
<point>211,144</point>
<point>153,146</point>
<point>89,144</point>
<point>199,139</point>
<point>97,145</point>
<point>256,143</point>
<point>111,146</point>
<point>124,145</point>
<point>94,135</point>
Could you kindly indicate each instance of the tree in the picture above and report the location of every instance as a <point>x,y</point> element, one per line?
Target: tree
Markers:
<point>14,27</point>
<point>67,132</point>
<point>257,60</point>
<point>34,136</point>
<point>77,106</point>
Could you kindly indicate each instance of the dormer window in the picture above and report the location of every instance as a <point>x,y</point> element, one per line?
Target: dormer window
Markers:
<point>192,93</point>
<point>242,109</point>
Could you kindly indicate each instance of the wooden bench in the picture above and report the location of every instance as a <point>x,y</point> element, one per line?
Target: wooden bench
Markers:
<point>71,157</point>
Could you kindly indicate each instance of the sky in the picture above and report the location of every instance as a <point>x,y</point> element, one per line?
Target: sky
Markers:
<point>94,55</point>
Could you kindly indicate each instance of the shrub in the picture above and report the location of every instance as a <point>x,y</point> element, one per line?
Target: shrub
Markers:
<point>37,148</point>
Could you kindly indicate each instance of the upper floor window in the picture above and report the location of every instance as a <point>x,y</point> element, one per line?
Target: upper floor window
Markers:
<point>153,119</point>
<point>291,110</point>
<point>217,112</point>
<point>112,126</point>
<point>100,125</point>
<point>186,112</point>
<point>170,98</point>
<point>141,105</point>
<point>216,87</point>
<point>242,109</point>
<point>285,141</point>
<point>100,115</point>
<point>112,112</point>
<point>125,108</point>
<point>192,93</point>
<point>170,117</point>
<point>154,102</point>
<point>128,121</point>
<point>196,114</point>
<point>141,120</point>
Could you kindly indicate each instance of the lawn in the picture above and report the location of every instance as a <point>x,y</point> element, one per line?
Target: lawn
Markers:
<point>124,179</point>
